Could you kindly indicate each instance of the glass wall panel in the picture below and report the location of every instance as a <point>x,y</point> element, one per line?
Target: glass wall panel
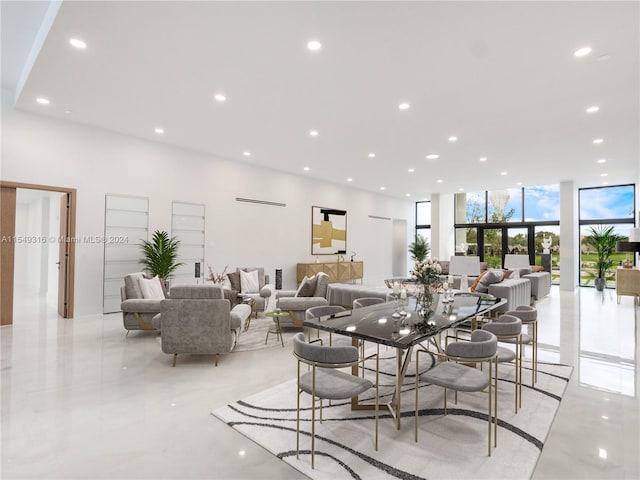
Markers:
<point>470,207</point>
<point>542,203</point>
<point>588,256</point>
<point>505,205</point>
<point>548,238</point>
<point>493,247</point>
<point>604,203</point>
<point>423,213</point>
<point>426,234</point>
<point>517,241</point>
<point>467,241</point>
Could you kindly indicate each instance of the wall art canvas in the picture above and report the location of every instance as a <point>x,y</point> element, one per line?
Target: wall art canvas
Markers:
<point>328,231</point>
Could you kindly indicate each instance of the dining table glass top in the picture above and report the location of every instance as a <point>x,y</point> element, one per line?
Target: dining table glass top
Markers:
<point>403,326</point>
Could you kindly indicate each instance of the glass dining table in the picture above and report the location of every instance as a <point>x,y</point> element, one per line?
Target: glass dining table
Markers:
<point>403,327</point>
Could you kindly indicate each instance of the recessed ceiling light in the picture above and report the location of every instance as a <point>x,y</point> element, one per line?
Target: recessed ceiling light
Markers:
<point>581,52</point>
<point>313,133</point>
<point>220,97</point>
<point>306,169</point>
<point>605,183</point>
<point>604,174</point>
<point>68,111</point>
<point>246,153</point>
<point>593,109</point>
<point>159,130</point>
<point>518,183</point>
<point>602,160</point>
<point>76,42</point>
<point>604,417</point>
<point>411,170</point>
<point>453,139</point>
<point>503,173</point>
<point>407,194</point>
<point>461,189</point>
<point>404,106</point>
<point>433,156</point>
<point>372,155</point>
<point>439,180</point>
<point>598,140</point>
<point>483,159</point>
<point>349,179</point>
<point>43,101</point>
<point>383,188</point>
<point>314,45</point>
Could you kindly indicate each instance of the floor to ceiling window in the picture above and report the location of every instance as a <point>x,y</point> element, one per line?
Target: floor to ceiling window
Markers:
<point>522,221</point>
<point>604,206</point>
<point>423,221</point>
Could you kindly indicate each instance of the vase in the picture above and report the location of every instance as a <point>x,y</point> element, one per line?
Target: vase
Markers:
<point>425,300</point>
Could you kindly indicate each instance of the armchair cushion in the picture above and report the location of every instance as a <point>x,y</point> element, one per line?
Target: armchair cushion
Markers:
<point>249,282</point>
<point>262,278</point>
<point>151,288</point>
<point>141,305</point>
<point>234,280</point>
<point>307,287</point>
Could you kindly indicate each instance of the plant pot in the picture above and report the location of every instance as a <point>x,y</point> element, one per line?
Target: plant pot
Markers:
<point>600,283</point>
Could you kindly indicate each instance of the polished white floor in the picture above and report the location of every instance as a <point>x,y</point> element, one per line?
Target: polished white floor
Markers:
<point>82,401</point>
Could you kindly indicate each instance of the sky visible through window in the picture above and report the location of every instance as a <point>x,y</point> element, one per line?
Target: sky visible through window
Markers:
<point>605,203</point>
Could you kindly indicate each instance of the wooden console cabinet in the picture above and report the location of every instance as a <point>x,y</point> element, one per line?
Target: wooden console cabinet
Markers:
<point>337,271</point>
<point>628,283</point>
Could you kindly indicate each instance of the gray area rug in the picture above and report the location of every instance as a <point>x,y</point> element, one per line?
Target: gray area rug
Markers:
<point>449,447</point>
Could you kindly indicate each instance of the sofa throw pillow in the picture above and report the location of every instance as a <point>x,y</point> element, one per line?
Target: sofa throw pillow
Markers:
<point>307,287</point>
<point>151,288</point>
<point>477,281</point>
<point>249,282</point>
<point>537,268</point>
<point>234,280</point>
<point>487,279</point>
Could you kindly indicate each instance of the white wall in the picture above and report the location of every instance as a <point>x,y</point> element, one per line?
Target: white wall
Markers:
<point>39,150</point>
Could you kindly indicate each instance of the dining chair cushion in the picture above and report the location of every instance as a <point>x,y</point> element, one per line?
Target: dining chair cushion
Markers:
<point>334,384</point>
<point>323,354</point>
<point>457,377</point>
<point>524,313</point>
<point>483,344</point>
<point>504,325</point>
<point>505,355</point>
<point>322,310</point>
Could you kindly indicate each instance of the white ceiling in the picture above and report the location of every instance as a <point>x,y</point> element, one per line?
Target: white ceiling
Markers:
<point>501,76</point>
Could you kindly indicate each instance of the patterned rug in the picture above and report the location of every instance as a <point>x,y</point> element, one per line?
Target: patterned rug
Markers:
<point>452,446</point>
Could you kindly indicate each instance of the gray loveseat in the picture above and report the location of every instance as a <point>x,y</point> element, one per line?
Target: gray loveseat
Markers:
<point>137,312</point>
<point>297,306</point>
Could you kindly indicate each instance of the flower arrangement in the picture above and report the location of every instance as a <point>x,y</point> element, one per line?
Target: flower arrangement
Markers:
<point>426,271</point>
<point>216,277</point>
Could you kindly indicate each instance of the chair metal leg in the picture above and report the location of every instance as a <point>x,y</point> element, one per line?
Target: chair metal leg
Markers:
<point>377,388</point>
<point>175,355</point>
<point>217,358</point>
<point>298,416</point>
<point>489,411</point>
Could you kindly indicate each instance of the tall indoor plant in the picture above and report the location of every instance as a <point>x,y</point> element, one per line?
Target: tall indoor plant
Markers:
<point>419,249</point>
<point>603,240</point>
<point>160,254</point>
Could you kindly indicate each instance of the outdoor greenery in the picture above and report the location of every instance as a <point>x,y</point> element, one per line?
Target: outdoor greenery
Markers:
<point>160,254</point>
<point>601,245</point>
<point>419,249</point>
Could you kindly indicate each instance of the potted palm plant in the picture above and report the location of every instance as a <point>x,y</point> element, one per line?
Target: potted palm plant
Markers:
<point>160,254</point>
<point>603,240</point>
<point>419,249</point>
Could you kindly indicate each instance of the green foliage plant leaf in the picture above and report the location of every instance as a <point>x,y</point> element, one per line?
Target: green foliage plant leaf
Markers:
<point>160,254</point>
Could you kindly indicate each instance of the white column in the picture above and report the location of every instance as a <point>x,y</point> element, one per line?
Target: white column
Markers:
<point>442,232</point>
<point>569,236</point>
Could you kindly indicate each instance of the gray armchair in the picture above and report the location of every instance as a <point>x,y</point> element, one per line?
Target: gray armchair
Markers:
<point>197,319</point>
<point>287,300</point>
<point>137,312</point>
<point>266,289</point>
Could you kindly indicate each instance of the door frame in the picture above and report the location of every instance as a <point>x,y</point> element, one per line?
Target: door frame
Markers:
<point>8,254</point>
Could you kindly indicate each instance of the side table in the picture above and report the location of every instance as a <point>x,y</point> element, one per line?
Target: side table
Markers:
<point>277,330</point>
<point>252,303</point>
